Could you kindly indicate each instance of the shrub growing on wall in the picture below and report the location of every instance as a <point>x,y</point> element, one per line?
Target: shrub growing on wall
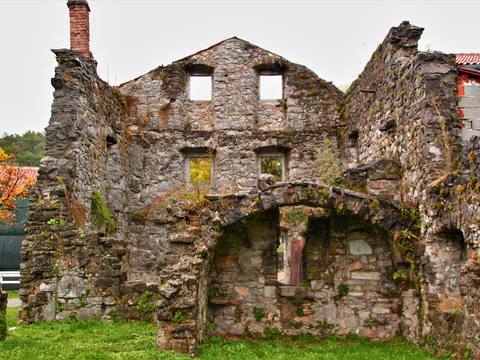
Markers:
<point>327,164</point>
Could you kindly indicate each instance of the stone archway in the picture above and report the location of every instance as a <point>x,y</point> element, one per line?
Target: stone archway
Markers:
<point>225,214</point>
<point>347,279</point>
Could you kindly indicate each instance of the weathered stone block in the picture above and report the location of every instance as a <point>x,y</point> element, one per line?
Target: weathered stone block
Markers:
<point>317,285</point>
<point>181,238</point>
<point>242,291</point>
<point>265,181</point>
<point>88,313</point>
<point>70,287</point>
<point>359,247</point>
<point>164,315</point>
<point>180,346</point>
<point>381,310</point>
<point>293,291</point>
<point>47,287</point>
<point>168,292</point>
<point>270,291</point>
<point>303,319</point>
<point>95,300</point>
<point>288,311</point>
<point>164,344</point>
<point>365,275</point>
<point>185,304</point>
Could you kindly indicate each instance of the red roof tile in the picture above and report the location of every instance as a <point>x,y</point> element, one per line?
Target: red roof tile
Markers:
<point>467,59</point>
<point>27,172</point>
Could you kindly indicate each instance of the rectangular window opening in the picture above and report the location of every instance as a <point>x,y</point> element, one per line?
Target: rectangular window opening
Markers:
<point>200,170</point>
<point>271,87</point>
<point>272,165</point>
<point>201,88</point>
<point>281,260</point>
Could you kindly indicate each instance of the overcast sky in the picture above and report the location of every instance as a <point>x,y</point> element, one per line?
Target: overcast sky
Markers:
<point>129,38</point>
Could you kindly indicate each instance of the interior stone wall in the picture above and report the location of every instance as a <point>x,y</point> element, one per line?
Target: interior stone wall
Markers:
<point>348,280</point>
<point>243,275</point>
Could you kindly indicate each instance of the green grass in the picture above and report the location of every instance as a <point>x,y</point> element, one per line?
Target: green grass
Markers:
<point>13,294</point>
<point>338,349</point>
<point>78,339</point>
<point>12,319</point>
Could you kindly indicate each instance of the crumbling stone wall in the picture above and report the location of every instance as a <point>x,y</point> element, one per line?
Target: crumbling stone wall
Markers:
<point>111,234</point>
<point>395,111</point>
<point>450,260</point>
<point>246,223</point>
<point>97,242</point>
<point>404,140</point>
<point>69,264</point>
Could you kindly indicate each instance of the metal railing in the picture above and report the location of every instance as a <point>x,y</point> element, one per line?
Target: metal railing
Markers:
<point>12,276</point>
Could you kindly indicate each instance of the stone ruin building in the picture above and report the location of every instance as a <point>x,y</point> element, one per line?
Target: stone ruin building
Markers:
<point>117,229</point>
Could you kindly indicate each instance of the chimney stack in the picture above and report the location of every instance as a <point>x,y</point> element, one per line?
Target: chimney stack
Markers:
<point>80,27</point>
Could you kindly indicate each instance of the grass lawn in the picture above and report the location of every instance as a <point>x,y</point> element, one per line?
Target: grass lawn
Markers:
<point>13,294</point>
<point>74,339</point>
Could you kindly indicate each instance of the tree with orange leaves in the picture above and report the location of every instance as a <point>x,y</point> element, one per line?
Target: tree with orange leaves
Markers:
<point>14,185</point>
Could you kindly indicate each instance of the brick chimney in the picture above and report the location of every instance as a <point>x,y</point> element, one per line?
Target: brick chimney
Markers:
<point>80,27</point>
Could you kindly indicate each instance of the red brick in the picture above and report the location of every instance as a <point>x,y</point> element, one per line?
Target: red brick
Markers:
<point>357,265</point>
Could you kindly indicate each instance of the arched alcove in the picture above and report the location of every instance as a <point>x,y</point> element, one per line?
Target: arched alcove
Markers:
<point>345,280</point>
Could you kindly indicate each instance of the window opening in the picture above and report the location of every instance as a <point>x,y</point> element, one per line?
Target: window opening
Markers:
<point>272,165</point>
<point>200,88</point>
<point>271,87</point>
<point>200,170</point>
<point>281,257</point>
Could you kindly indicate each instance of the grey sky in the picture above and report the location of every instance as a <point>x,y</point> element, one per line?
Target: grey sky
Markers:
<point>129,38</point>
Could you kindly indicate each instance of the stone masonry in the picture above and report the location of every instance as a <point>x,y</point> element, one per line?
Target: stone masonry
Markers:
<point>116,229</point>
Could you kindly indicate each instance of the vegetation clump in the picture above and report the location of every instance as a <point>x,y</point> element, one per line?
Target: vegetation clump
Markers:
<point>259,313</point>
<point>328,166</point>
<point>101,215</point>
